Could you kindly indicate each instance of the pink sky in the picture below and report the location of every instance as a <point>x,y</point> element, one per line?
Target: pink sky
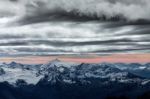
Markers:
<point>126,58</point>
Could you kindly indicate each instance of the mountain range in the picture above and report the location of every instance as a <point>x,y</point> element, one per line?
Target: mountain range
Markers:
<point>64,80</point>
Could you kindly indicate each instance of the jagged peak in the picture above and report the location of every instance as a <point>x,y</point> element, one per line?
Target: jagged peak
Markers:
<point>56,60</point>
<point>58,63</point>
<point>14,63</point>
<point>51,63</point>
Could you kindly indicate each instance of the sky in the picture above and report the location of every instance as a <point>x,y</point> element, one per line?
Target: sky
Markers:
<point>117,58</point>
<point>74,27</point>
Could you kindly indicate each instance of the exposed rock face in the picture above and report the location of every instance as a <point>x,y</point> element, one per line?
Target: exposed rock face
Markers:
<point>2,72</point>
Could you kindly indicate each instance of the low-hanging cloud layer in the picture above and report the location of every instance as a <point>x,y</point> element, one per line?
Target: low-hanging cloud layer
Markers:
<point>33,27</point>
<point>56,38</point>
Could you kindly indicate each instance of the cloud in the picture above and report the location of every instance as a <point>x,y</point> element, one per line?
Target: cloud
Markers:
<point>73,38</point>
<point>28,27</point>
<point>129,9</point>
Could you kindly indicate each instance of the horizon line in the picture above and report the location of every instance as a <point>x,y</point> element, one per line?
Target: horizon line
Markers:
<point>114,58</point>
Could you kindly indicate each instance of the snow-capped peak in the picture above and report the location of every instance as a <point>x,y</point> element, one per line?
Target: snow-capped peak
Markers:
<point>15,65</point>
<point>57,63</point>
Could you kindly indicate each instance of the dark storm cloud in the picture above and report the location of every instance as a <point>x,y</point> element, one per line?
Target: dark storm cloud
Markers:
<point>40,10</point>
<point>109,8</point>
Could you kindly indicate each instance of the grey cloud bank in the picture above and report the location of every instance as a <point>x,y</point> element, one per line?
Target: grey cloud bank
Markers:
<point>130,9</point>
<point>28,27</point>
